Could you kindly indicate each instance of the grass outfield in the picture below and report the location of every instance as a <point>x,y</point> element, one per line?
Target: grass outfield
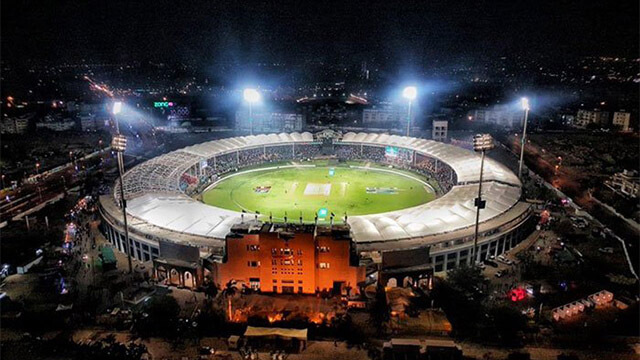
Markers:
<point>307,190</point>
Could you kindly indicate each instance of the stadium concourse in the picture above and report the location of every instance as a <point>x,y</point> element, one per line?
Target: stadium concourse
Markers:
<point>438,235</point>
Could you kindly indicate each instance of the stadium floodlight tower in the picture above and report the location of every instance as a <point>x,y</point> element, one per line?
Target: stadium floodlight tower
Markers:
<point>251,96</point>
<point>481,143</point>
<point>525,106</point>
<point>410,93</point>
<point>119,144</point>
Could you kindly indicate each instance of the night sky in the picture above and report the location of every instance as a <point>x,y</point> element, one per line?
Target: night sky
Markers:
<point>245,31</point>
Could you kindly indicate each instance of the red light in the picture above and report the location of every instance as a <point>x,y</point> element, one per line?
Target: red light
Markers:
<point>517,294</point>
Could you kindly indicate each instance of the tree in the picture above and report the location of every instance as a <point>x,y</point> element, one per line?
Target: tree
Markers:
<point>461,298</point>
<point>466,279</point>
<point>230,289</point>
<point>159,317</point>
<point>380,310</point>
<point>210,289</point>
<point>526,258</point>
<point>563,227</point>
<point>504,323</point>
<point>212,321</point>
<point>346,329</point>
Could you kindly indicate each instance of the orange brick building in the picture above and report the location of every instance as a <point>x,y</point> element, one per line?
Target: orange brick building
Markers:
<point>279,258</point>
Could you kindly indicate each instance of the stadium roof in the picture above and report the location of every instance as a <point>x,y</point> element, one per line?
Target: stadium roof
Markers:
<point>452,211</point>
<point>154,198</point>
<point>182,214</point>
<point>465,163</point>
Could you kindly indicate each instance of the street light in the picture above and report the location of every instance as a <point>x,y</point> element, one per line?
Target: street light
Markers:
<point>481,143</point>
<point>119,144</point>
<point>251,96</point>
<point>525,106</point>
<point>410,93</point>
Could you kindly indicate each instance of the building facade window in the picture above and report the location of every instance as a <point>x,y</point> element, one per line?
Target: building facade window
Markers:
<point>253,247</point>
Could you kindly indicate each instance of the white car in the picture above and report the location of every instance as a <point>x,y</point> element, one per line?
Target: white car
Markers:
<point>504,260</point>
<point>606,250</point>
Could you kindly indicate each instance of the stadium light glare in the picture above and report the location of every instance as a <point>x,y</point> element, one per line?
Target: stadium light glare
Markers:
<point>117,107</point>
<point>410,93</point>
<point>251,95</point>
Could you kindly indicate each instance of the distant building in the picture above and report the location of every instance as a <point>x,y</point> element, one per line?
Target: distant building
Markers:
<point>626,183</point>
<point>439,130</point>
<point>269,122</point>
<point>501,115</point>
<point>586,117</point>
<point>15,125</point>
<point>279,258</point>
<point>88,122</point>
<point>89,108</point>
<point>63,125</point>
<point>384,116</point>
<point>565,118</point>
<point>72,106</point>
<point>325,112</point>
<point>621,119</point>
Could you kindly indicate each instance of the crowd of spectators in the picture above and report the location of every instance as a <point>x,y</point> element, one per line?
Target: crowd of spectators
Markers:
<point>357,152</point>
<point>441,173</point>
<point>188,182</point>
<point>307,151</point>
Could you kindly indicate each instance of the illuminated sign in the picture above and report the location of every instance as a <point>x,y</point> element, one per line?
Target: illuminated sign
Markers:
<point>397,153</point>
<point>391,151</point>
<point>163,104</point>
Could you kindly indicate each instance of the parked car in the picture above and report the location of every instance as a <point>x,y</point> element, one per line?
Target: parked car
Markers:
<point>480,265</point>
<point>606,250</point>
<point>490,263</point>
<point>503,259</point>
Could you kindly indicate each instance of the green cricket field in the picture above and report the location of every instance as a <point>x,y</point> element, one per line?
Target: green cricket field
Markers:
<point>319,190</point>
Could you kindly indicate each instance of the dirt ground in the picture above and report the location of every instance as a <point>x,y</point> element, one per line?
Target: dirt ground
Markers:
<point>161,349</point>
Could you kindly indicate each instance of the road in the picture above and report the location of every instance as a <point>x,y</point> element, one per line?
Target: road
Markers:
<point>543,164</point>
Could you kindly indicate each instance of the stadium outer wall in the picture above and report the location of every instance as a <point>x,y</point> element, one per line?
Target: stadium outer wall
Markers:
<point>447,249</point>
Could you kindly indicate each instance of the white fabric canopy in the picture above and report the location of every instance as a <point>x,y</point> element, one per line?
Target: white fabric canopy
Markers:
<point>154,196</point>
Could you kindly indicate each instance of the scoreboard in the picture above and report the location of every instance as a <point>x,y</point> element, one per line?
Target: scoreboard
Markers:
<point>398,154</point>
